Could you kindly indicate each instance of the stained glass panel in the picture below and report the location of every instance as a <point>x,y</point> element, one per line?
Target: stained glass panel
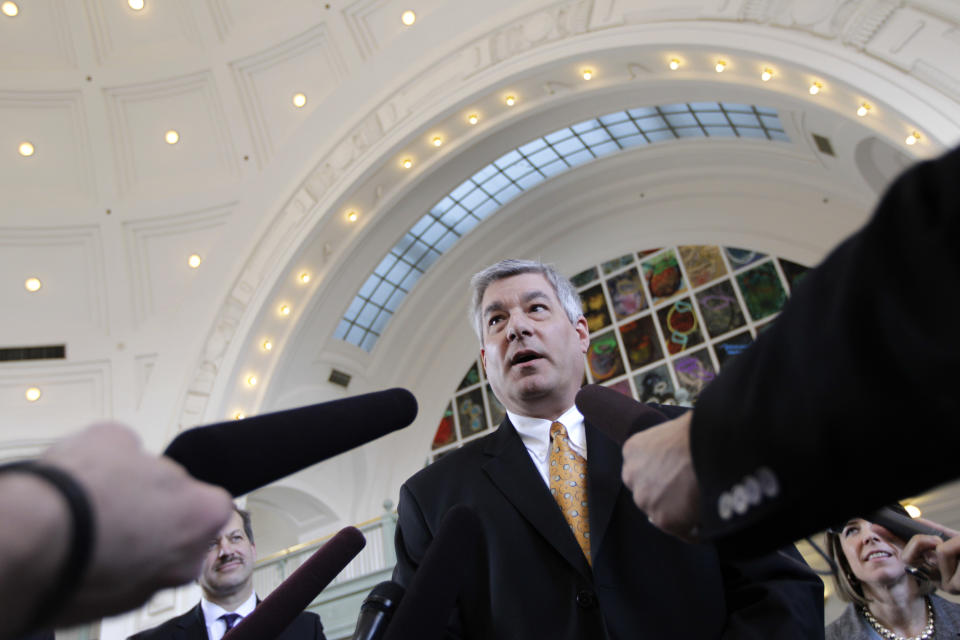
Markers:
<point>762,291</point>
<point>595,308</point>
<point>626,293</point>
<point>584,277</point>
<point>702,262</point>
<point>679,325</point>
<point>694,371</point>
<point>655,385</point>
<point>497,412</point>
<point>732,346</point>
<point>662,273</point>
<point>472,377</point>
<point>641,342</point>
<point>742,257</point>
<point>720,309</point>
<point>444,434</point>
<point>603,357</point>
<point>470,413</point>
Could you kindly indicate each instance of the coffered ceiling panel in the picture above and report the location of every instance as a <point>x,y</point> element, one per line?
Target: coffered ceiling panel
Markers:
<point>122,36</point>
<point>72,296</point>
<point>37,39</point>
<point>140,117</point>
<point>54,124</point>
<point>375,23</point>
<point>308,64</point>
<point>70,393</point>
<point>230,14</point>
<point>158,253</point>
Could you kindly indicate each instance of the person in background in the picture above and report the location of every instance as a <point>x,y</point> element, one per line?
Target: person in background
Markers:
<point>228,596</point>
<point>888,598</point>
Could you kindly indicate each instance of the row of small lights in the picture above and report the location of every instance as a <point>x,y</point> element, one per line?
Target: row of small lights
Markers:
<point>11,10</point>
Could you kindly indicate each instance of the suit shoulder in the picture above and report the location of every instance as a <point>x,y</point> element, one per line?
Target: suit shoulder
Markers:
<point>161,631</point>
<point>470,457</point>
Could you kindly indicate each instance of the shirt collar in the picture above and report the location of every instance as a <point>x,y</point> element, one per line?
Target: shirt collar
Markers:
<point>213,611</point>
<point>535,432</point>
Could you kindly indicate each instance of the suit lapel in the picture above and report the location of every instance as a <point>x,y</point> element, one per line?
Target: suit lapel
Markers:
<point>192,626</point>
<point>604,462</point>
<point>513,473</point>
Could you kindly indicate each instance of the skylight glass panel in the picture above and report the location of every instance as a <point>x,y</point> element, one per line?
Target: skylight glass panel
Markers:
<point>478,197</point>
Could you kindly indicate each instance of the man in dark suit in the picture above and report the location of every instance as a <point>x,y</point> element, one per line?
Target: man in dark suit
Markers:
<point>228,596</point>
<point>848,402</point>
<point>566,554</point>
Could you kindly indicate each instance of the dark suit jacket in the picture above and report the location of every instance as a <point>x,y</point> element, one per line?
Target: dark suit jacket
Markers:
<point>191,626</point>
<point>850,398</point>
<point>531,579</point>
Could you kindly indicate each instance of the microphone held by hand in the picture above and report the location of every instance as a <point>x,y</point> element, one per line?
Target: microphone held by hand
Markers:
<point>377,610</point>
<point>243,455</point>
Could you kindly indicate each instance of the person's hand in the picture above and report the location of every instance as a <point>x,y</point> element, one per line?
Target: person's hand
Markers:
<point>935,557</point>
<point>153,522</point>
<point>658,470</point>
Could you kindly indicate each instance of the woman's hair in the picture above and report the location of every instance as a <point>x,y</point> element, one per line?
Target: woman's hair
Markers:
<point>849,587</point>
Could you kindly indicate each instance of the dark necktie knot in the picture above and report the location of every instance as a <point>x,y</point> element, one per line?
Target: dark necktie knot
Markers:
<point>230,619</point>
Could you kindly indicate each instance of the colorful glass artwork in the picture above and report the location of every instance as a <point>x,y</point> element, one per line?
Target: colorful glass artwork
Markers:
<point>626,293</point>
<point>731,347</point>
<point>762,291</point>
<point>794,272</point>
<point>641,341</point>
<point>663,276</point>
<point>497,412</point>
<point>472,377</point>
<point>649,252</point>
<point>655,385</point>
<point>679,325</point>
<point>702,262</point>
<point>621,387</point>
<point>470,413</point>
<point>603,357</point>
<point>617,263</point>
<point>694,372</point>
<point>595,308</point>
<point>584,277</point>
<point>720,309</point>
<point>444,434</point>
<point>740,258</point>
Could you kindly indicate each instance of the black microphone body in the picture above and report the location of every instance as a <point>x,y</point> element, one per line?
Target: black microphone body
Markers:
<point>243,455</point>
<point>446,567</point>
<point>615,414</point>
<point>288,600</point>
<point>377,610</point>
<point>904,527</point>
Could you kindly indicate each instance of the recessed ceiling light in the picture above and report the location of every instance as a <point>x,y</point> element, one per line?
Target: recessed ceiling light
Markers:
<point>510,100</point>
<point>32,284</point>
<point>10,9</point>
<point>136,5</point>
<point>32,394</point>
<point>26,149</point>
<point>437,141</point>
<point>815,87</point>
<point>913,138</point>
<point>588,74</point>
<point>267,345</point>
<point>171,136</point>
<point>351,216</point>
<point>674,64</point>
<point>473,118</point>
<point>284,309</point>
<point>239,415</point>
<point>406,163</point>
<point>408,17</point>
<point>252,380</point>
<point>721,65</point>
<point>194,261</point>
<point>304,277</point>
<point>299,99</point>
<point>863,109</point>
<point>766,74</point>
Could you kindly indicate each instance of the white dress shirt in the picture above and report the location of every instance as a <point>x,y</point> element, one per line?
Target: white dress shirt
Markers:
<point>535,435</point>
<point>217,628</point>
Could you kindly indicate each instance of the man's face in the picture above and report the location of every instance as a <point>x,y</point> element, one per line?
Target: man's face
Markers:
<point>532,355</point>
<point>228,565</point>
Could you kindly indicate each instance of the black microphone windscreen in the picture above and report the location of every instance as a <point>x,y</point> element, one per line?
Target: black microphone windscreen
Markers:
<point>446,566</point>
<point>377,610</point>
<point>615,414</point>
<point>243,455</point>
<point>288,600</point>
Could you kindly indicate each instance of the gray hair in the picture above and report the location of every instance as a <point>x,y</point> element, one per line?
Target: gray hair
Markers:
<point>566,293</point>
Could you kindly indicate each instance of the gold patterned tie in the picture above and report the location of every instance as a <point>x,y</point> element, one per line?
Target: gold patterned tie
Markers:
<point>568,485</point>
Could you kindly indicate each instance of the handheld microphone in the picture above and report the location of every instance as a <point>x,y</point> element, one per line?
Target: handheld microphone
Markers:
<point>613,413</point>
<point>288,600</point>
<point>446,566</point>
<point>377,610</point>
<point>904,527</point>
<point>243,455</point>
